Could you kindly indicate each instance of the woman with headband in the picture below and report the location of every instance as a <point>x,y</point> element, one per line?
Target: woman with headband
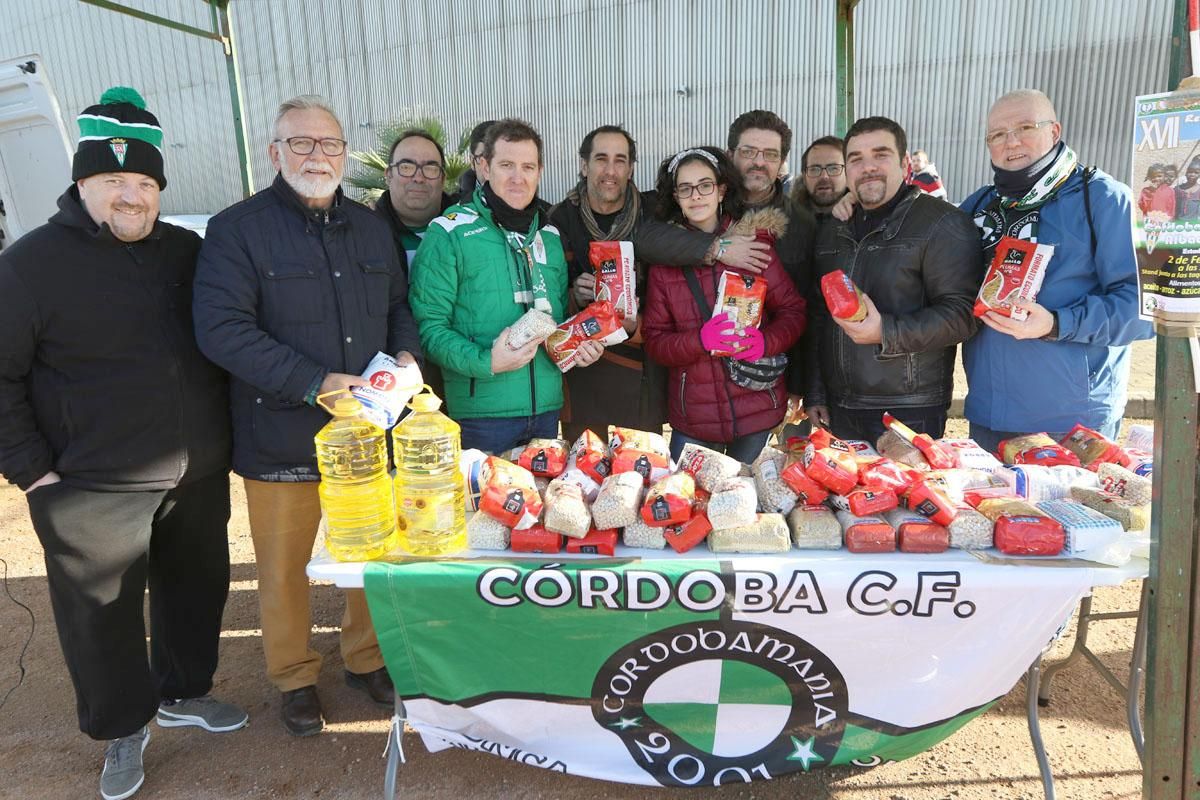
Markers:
<point>726,403</point>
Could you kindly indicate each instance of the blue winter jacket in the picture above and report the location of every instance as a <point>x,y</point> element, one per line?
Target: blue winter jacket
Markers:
<point>1034,385</point>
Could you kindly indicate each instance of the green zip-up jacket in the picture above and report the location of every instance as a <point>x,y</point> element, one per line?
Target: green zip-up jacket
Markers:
<point>462,296</point>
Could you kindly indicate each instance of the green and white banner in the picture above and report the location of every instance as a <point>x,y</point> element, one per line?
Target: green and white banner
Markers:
<point>704,671</point>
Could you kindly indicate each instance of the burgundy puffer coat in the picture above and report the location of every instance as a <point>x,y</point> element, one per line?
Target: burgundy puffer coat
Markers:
<point>702,401</point>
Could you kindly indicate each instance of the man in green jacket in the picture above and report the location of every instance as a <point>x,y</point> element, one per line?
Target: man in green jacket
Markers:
<point>481,266</point>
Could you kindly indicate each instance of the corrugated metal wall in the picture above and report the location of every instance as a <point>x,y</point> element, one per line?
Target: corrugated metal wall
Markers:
<point>570,65</point>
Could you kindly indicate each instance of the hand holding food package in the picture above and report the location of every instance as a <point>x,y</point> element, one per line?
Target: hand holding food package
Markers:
<point>1013,278</point>
<point>843,298</point>
<point>616,275</point>
<point>599,322</point>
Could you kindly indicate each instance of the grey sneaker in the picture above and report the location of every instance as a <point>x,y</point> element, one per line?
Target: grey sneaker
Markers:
<point>203,712</point>
<point>123,774</point>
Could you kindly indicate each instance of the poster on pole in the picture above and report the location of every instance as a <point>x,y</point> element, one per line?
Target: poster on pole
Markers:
<point>1166,212</point>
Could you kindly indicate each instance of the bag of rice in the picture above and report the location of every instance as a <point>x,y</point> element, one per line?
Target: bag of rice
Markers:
<point>533,326</point>
<point>598,323</point>
<point>899,449</point>
<point>567,510</point>
<point>536,540</point>
<point>1085,528</point>
<point>866,534</point>
<point>620,438</point>
<point>1036,483</point>
<point>734,503</point>
<point>864,502</point>
<point>1133,517</point>
<point>684,537</point>
<point>814,527</point>
<point>774,495</point>
<point>618,502</point>
<point>616,275</point>
<point>669,501</point>
<point>510,494</point>
<point>970,530</point>
<point>708,467</point>
<point>767,534</point>
<point>639,534</point>
<point>1036,448</point>
<point>486,533</point>
<point>1118,480</point>
<point>1093,448</point>
<point>589,455</point>
<point>917,534</point>
<point>597,543</point>
<point>969,455</point>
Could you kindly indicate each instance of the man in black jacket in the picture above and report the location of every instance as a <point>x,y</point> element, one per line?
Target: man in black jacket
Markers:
<point>911,255</point>
<point>415,176</point>
<point>116,427</point>
<point>297,288</point>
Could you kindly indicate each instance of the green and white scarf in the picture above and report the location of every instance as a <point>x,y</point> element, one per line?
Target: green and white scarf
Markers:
<point>1019,217</point>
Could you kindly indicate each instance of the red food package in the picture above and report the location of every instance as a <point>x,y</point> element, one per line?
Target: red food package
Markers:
<point>1093,448</point>
<point>691,533</point>
<point>1036,448</point>
<point>742,298</point>
<point>669,501</point>
<point>616,275</point>
<point>844,299</point>
<point>651,466</point>
<point>976,496</point>
<point>630,438</point>
<point>535,540</point>
<point>1013,278</point>
<point>700,504</point>
<point>916,534</point>
<point>509,495</point>
<point>590,456</point>
<point>544,457</point>
<point>867,534</point>
<point>600,543</point>
<point>810,492</point>
<point>931,502</point>
<point>865,502</point>
<point>827,468</point>
<point>1021,535</point>
<point>883,473</point>
<point>598,322</point>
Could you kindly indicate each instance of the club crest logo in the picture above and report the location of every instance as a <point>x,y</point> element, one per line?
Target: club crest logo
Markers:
<point>119,148</point>
<point>720,701</point>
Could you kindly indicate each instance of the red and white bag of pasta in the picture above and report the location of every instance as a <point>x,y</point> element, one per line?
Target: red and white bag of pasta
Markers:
<point>598,322</point>
<point>616,275</point>
<point>1014,278</point>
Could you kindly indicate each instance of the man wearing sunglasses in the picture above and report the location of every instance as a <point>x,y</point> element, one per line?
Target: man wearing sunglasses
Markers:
<point>296,290</point>
<point>415,179</point>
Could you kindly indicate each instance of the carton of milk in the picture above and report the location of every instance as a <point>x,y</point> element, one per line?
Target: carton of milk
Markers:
<point>390,388</point>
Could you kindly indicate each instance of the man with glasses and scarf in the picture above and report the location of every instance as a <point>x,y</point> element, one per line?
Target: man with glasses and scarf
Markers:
<point>1068,361</point>
<point>296,290</point>
<point>415,177</point>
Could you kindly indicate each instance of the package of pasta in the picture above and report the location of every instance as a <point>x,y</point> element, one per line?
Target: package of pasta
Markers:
<point>618,502</point>
<point>650,466</point>
<point>1132,516</point>
<point>486,533</point>
<point>871,534</point>
<point>533,326</point>
<point>814,527</point>
<point>1036,483</point>
<point>598,322</point>
<point>707,466</point>
<point>684,537</point>
<point>830,462</point>
<point>1036,448</point>
<point>734,503</point>
<point>589,455</point>
<point>510,494</point>
<point>669,501</point>
<point>1013,278</point>
<point>864,502</point>
<point>917,534</point>
<point>774,495</point>
<point>1022,529</point>
<point>596,543</point>
<point>794,475</point>
<point>1093,448</point>
<point>1135,488</point>
<point>930,501</point>
<point>956,482</point>
<point>1085,528</point>
<point>768,533</point>
<point>536,540</point>
<point>974,497</point>
<point>883,473</point>
<point>630,438</point>
<point>546,458</point>
<point>898,449</point>
<point>742,298</point>
<point>616,275</point>
<point>970,530</point>
<point>639,534</point>
<point>969,455</point>
<point>843,298</point>
<point>567,510</point>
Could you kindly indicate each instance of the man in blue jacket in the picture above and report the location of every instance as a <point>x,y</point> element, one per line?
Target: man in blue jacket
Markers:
<point>296,290</point>
<point>1068,361</point>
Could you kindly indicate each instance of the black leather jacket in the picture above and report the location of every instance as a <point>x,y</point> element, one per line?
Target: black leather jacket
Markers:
<point>922,269</point>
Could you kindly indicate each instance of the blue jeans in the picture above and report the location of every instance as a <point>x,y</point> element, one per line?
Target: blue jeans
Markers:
<point>497,435</point>
<point>990,440</point>
<point>744,448</point>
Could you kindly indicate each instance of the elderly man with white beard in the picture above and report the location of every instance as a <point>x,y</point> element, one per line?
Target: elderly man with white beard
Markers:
<point>296,290</point>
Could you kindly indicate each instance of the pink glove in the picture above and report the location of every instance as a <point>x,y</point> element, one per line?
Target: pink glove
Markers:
<point>718,336</point>
<point>751,346</point>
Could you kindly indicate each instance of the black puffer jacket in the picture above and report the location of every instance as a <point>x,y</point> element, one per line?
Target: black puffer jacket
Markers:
<point>100,377</point>
<point>922,269</point>
<point>284,296</point>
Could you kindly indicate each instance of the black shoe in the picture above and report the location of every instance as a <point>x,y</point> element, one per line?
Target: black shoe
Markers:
<point>301,712</point>
<point>377,685</point>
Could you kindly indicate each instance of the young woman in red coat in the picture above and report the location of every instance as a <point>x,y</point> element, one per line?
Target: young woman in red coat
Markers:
<point>700,189</point>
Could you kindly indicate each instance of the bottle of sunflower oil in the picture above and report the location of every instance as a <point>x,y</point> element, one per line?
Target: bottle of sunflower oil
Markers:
<point>429,487</point>
<point>355,492</point>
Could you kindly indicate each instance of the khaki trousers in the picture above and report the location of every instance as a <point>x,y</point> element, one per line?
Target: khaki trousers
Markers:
<point>283,524</point>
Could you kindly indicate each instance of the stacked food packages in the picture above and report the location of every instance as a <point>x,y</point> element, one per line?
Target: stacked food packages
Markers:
<point>907,492</point>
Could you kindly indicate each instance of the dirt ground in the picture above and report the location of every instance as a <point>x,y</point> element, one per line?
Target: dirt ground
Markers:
<point>42,754</point>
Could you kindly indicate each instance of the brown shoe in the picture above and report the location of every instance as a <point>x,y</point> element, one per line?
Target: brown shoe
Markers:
<point>301,711</point>
<point>377,685</point>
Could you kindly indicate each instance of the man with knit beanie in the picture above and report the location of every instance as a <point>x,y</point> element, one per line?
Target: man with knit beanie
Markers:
<point>116,427</point>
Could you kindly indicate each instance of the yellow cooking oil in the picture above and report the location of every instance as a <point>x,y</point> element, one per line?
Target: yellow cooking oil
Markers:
<point>430,518</point>
<point>355,492</point>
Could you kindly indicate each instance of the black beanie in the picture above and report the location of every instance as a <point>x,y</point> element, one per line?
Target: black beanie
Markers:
<point>119,135</point>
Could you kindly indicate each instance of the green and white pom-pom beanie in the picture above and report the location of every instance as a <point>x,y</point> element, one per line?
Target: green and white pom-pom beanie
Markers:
<point>119,135</point>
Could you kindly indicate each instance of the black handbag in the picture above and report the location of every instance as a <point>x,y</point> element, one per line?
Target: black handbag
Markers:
<point>759,375</point>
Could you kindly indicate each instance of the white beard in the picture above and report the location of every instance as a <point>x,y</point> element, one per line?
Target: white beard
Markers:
<point>313,188</point>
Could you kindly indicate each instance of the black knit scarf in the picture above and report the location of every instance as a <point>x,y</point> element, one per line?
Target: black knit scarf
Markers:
<point>517,220</point>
